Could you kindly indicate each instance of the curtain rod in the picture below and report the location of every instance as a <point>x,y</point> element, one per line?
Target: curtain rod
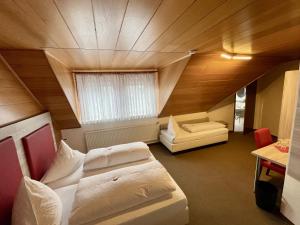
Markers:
<point>114,71</point>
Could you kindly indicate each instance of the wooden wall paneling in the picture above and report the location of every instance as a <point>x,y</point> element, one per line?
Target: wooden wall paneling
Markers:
<point>65,78</point>
<point>43,83</point>
<point>167,79</point>
<point>208,79</point>
<point>16,103</point>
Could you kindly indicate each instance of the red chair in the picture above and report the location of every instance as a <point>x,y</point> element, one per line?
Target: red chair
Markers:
<point>263,138</point>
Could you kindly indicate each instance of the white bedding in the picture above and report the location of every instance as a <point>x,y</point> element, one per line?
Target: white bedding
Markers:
<point>200,127</point>
<point>185,136</point>
<point>113,192</point>
<point>80,173</point>
<point>170,209</point>
<point>115,155</point>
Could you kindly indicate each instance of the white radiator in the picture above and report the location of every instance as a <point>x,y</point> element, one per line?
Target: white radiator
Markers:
<point>107,137</point>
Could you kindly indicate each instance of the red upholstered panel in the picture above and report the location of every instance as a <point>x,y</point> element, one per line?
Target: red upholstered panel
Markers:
<point>40,151</point>
<point>10,177</point>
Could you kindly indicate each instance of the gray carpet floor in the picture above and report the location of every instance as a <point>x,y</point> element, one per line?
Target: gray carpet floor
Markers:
<point>218,182</point>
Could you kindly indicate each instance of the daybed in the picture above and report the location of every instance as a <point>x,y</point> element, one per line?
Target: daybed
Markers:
<point>191,135</point>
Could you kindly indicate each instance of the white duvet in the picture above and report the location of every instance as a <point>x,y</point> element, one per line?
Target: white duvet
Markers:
<point>184,136</point>
<point>115,155</point>
<point>199,127</point>
<point>106,194</point>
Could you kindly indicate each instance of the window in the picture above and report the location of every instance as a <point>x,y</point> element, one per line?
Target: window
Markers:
<point>116,96</point>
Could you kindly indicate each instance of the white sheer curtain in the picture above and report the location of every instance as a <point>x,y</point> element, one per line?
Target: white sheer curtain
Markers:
<point>116,96</point>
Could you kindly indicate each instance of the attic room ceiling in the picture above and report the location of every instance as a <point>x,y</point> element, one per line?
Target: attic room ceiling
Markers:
<point>135,34</point>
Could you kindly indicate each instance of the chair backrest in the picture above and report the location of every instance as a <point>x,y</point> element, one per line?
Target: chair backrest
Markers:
<point>263,137</point>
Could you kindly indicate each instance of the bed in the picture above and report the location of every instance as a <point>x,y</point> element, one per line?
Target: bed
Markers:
<point>171,209</point>
<point>166,210</point>
<point>40,161</point>
<point>184,140</point>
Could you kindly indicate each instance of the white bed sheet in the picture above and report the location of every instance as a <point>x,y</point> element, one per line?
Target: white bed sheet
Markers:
<point>80,173</point>
<point>185,136</point>
<point>170,209</point>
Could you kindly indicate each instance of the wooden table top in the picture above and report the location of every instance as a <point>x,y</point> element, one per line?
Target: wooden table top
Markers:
<point>271,153</point>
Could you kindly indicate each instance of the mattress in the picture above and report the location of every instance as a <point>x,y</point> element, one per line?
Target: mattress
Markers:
<point>185,136</point>
<point>80,173</point>
<point>170,209</point>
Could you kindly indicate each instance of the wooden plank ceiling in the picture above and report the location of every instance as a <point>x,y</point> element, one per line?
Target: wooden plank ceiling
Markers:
<point>94,34</point>
<point>208,79</point>
<point>150,34</point>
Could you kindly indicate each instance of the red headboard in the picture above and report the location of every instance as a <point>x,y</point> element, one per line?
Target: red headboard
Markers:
<point>40,151</point>
<point>10,175</point>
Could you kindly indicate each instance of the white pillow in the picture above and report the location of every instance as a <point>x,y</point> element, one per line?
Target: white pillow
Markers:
<point>116,155</point>
<point>173,127</point>
<point>66,162</point>
<point>36,204</point>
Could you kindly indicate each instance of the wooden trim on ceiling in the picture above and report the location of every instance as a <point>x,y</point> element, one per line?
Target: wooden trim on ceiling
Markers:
<point>25,118</point>
<point>115,71</point>
<point>177,60</point>
<point>76,96</point>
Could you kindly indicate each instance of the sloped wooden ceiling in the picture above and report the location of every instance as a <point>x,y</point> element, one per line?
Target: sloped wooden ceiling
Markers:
<point>208,79</point>
<point>16,102</point>
<point>167,80</point>
<point>94,34</point>
<point>33,68</point>
<point>149,34</point>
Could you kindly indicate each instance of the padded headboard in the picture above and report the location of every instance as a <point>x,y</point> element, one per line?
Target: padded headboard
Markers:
<point>40,151</point>
<point>10,175</point>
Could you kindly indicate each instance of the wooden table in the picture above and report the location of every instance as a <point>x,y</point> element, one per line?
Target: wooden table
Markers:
<point>270,153</point>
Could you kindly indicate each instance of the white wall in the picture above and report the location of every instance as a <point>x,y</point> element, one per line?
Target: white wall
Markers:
<point>290,205</point>
<point>269,97</point>
<point>76,137</point>
<point>224,111</point>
